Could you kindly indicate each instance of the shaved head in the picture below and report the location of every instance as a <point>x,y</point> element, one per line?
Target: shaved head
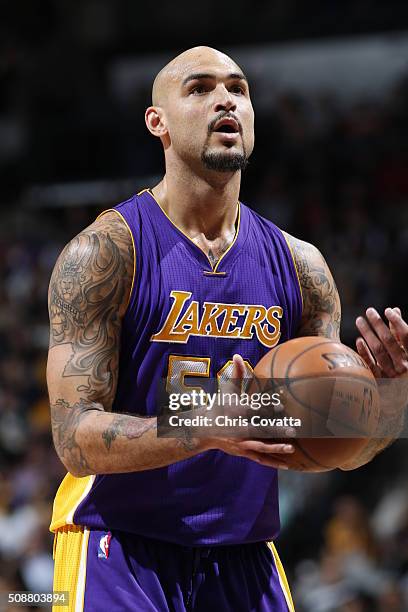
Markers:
<point>202,111</point>
<point>177,69</point>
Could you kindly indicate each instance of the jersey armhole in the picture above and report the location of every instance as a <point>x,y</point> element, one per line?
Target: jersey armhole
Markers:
<point>133,245</point>
<point>296,269</point>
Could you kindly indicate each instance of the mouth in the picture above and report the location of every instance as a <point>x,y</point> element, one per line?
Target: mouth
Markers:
<point>227,126</point>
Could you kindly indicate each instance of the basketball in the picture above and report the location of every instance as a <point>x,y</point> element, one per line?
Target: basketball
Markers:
<point>327,387</point>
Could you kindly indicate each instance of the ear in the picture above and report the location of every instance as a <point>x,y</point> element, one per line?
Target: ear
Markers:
<point>155,121</point>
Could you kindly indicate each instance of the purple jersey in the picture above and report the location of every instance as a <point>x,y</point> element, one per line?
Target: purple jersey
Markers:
<point>185,319</point>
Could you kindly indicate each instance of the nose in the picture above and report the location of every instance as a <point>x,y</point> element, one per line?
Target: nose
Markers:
<point>224,100</point>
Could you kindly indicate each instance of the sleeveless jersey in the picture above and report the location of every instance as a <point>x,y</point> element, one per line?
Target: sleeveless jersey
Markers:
<point>185,318</point>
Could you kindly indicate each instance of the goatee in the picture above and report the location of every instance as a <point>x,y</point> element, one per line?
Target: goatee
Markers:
<point>224,162</point>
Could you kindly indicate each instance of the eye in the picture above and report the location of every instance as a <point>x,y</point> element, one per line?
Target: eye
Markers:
<point>239,89</point>
<point>198,90</point>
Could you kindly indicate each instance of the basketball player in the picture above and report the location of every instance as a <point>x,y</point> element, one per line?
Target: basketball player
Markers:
<point>181,280</point>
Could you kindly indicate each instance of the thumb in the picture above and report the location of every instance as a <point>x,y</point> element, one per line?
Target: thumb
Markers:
<point>238,370</point>
<point>233,383</point>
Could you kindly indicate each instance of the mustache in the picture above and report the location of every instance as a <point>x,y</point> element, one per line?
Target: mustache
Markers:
<point>224,115</point>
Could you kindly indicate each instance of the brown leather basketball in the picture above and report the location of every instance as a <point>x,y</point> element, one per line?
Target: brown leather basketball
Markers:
<point>330,389</point>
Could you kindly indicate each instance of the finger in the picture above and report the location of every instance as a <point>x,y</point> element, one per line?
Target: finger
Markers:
<point>268,449</point>
<point>393,329</point>
<point>364,352</point>
<point>265,460</point>
<point>376,347</point>
<point>398,324</point>
<point>279,407</point>
<point>238,371</point>
<point>233,384</point>
<point>268,433</point>
<point>388,340</point>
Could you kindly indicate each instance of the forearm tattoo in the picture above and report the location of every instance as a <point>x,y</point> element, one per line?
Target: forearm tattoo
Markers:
<point>393,398</point>
<point>122,426</point>
<point>321,303</point>
<point>65,421</point>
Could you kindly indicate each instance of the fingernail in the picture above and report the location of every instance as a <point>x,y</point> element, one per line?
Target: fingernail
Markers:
<point>288,448</point>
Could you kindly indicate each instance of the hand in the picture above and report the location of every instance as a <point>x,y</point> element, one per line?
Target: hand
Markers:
<point>384,348</point>
<point>256,450</point>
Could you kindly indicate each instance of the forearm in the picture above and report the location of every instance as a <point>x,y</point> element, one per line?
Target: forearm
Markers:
<point>372,448</point>
<point>89,440</point>
<point>389,427</point>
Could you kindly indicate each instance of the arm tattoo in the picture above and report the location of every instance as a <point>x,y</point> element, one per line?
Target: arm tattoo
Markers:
<point>186,440</point>
<point>65,421</point>
<point>391,420</point>
<point>321,303</point>
<point>373,448</point>
<point>87,297</point>
<point>128,428</point>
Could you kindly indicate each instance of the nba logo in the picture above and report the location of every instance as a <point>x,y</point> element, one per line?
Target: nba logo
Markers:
<point>104,543</point>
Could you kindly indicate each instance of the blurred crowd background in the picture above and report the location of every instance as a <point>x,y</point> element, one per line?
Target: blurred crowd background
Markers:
<point>329,169</point>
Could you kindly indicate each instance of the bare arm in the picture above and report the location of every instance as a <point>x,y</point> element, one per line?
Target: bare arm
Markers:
<point>379,345</point>
<point>383,348</point>
<point>88,293</point>
<point>321,303</point>
<point>321,317</point>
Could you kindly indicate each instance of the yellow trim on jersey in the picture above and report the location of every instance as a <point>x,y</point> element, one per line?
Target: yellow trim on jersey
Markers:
<point>282,577</point>
<point>296,267</point>
<point>214,269</point>
<point>72,491</point>
<point>133,245</point>
<point>70,558</point>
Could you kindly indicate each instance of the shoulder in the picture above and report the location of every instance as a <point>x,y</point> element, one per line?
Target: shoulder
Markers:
<point>100,258</point>
<point>258,219</point>
<point>263,226</point>
<point>109,237</point>
<point>299,248</point>
<point>303,252</point>
<point>321,302</point>
<point>113,224</point>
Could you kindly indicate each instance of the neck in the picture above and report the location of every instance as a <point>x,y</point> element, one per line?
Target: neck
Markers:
<point>200,205</point>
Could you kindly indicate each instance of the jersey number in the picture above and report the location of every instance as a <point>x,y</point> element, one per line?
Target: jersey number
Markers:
<point>182,366</point>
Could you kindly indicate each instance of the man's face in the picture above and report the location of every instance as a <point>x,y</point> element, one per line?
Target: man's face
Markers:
<point>209,114</point>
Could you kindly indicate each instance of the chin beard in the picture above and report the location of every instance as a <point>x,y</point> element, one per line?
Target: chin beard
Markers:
<point>224,162</point>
